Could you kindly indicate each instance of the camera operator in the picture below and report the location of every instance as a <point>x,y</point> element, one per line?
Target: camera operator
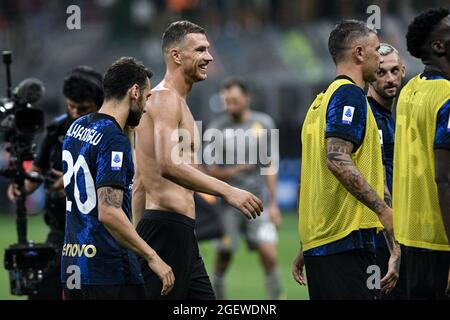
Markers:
<point>84,94</point>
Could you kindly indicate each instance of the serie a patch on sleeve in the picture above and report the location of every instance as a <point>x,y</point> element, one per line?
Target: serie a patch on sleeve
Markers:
<point>448,124</point>
<point>116,160</point>
<point>347,114</point>
<point>380,132</point>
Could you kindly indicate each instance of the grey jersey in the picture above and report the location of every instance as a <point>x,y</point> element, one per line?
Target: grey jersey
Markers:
<point>247,142</point>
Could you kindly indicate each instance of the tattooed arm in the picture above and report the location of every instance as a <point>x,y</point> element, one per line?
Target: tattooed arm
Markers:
<point>340,163</point>
<point>111,215</point>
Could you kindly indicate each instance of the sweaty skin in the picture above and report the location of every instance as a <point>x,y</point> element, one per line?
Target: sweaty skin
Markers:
<point>167,140</point>
<point>165,194</point>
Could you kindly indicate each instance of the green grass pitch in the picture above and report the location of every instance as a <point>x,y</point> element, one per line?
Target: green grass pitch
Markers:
<point>245,277</point>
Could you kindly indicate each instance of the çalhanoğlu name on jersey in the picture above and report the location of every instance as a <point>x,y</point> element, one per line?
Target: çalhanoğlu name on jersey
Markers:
<point>96,153</point>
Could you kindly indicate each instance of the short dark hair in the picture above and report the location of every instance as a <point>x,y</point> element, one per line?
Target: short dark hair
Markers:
<point>82,84</point>
<point>176,32</point>
<point>343,34</point>
<point>122,75</point>
<point>236,82</point>
<point>420,29</point>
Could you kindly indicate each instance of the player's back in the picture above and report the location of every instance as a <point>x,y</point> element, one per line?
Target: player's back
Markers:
<point>96,153</point>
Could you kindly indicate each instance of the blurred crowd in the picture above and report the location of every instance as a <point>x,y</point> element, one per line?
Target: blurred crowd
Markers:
<point>278,46</point>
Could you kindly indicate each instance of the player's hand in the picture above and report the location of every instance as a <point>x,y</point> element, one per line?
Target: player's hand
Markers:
<point>250,205</point>
<point>447,290</point>
<point>13,192</point>
<point>164,272</point>
<point>389,281</point>
<point>275,214</point>
<point>297,268</point>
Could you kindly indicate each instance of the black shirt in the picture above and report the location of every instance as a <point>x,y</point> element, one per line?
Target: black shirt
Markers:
<point>50,157</point>
<point>386,129</point>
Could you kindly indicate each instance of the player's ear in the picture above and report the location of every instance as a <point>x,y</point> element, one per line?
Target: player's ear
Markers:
<point>403,70</point>
<point>134,92</point>
<point>175,55</point>
<point>438,47</point>
<point>358,53</point>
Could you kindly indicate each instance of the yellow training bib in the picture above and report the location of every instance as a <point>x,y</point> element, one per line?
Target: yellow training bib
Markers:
<point>327,211</point>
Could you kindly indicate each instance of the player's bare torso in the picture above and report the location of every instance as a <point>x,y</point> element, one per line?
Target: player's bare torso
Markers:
<point>161,193</point>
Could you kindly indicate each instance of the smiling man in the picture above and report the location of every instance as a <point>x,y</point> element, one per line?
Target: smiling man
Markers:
<point>166,144</point>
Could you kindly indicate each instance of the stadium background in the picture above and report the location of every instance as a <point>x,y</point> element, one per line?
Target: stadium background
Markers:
<point>278,46</point>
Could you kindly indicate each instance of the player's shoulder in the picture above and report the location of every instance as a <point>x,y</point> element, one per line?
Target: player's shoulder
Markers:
<point>103,122</point>
<point>100,125</point>
<point>430,80</point>
<point>349,94</point>
<point>163,96</point>
<point>350,89</point>
<point>162,91</point>
<point>164,103</point>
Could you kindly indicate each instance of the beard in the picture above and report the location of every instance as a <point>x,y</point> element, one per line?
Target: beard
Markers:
<point>192,73</point>
<point>135,114</point>
<point>385,95</point>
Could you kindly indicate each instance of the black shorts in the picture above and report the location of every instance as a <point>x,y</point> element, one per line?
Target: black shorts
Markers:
<point>427,273</point>
<point>341,276</point>
<point>172,236</point>
<point>106,292</point>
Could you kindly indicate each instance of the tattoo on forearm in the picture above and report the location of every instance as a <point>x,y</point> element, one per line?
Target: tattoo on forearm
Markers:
<point>110,197</point>
<point>342,166</point>
<point>389,240</point>
<point>388,199</point>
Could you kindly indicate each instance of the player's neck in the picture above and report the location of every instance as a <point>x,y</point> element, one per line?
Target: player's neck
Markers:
<point>117,109</point>
<point>384,103</point>
<point>352,71</point>
<point>438,65</point>
<point>177,80</point>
